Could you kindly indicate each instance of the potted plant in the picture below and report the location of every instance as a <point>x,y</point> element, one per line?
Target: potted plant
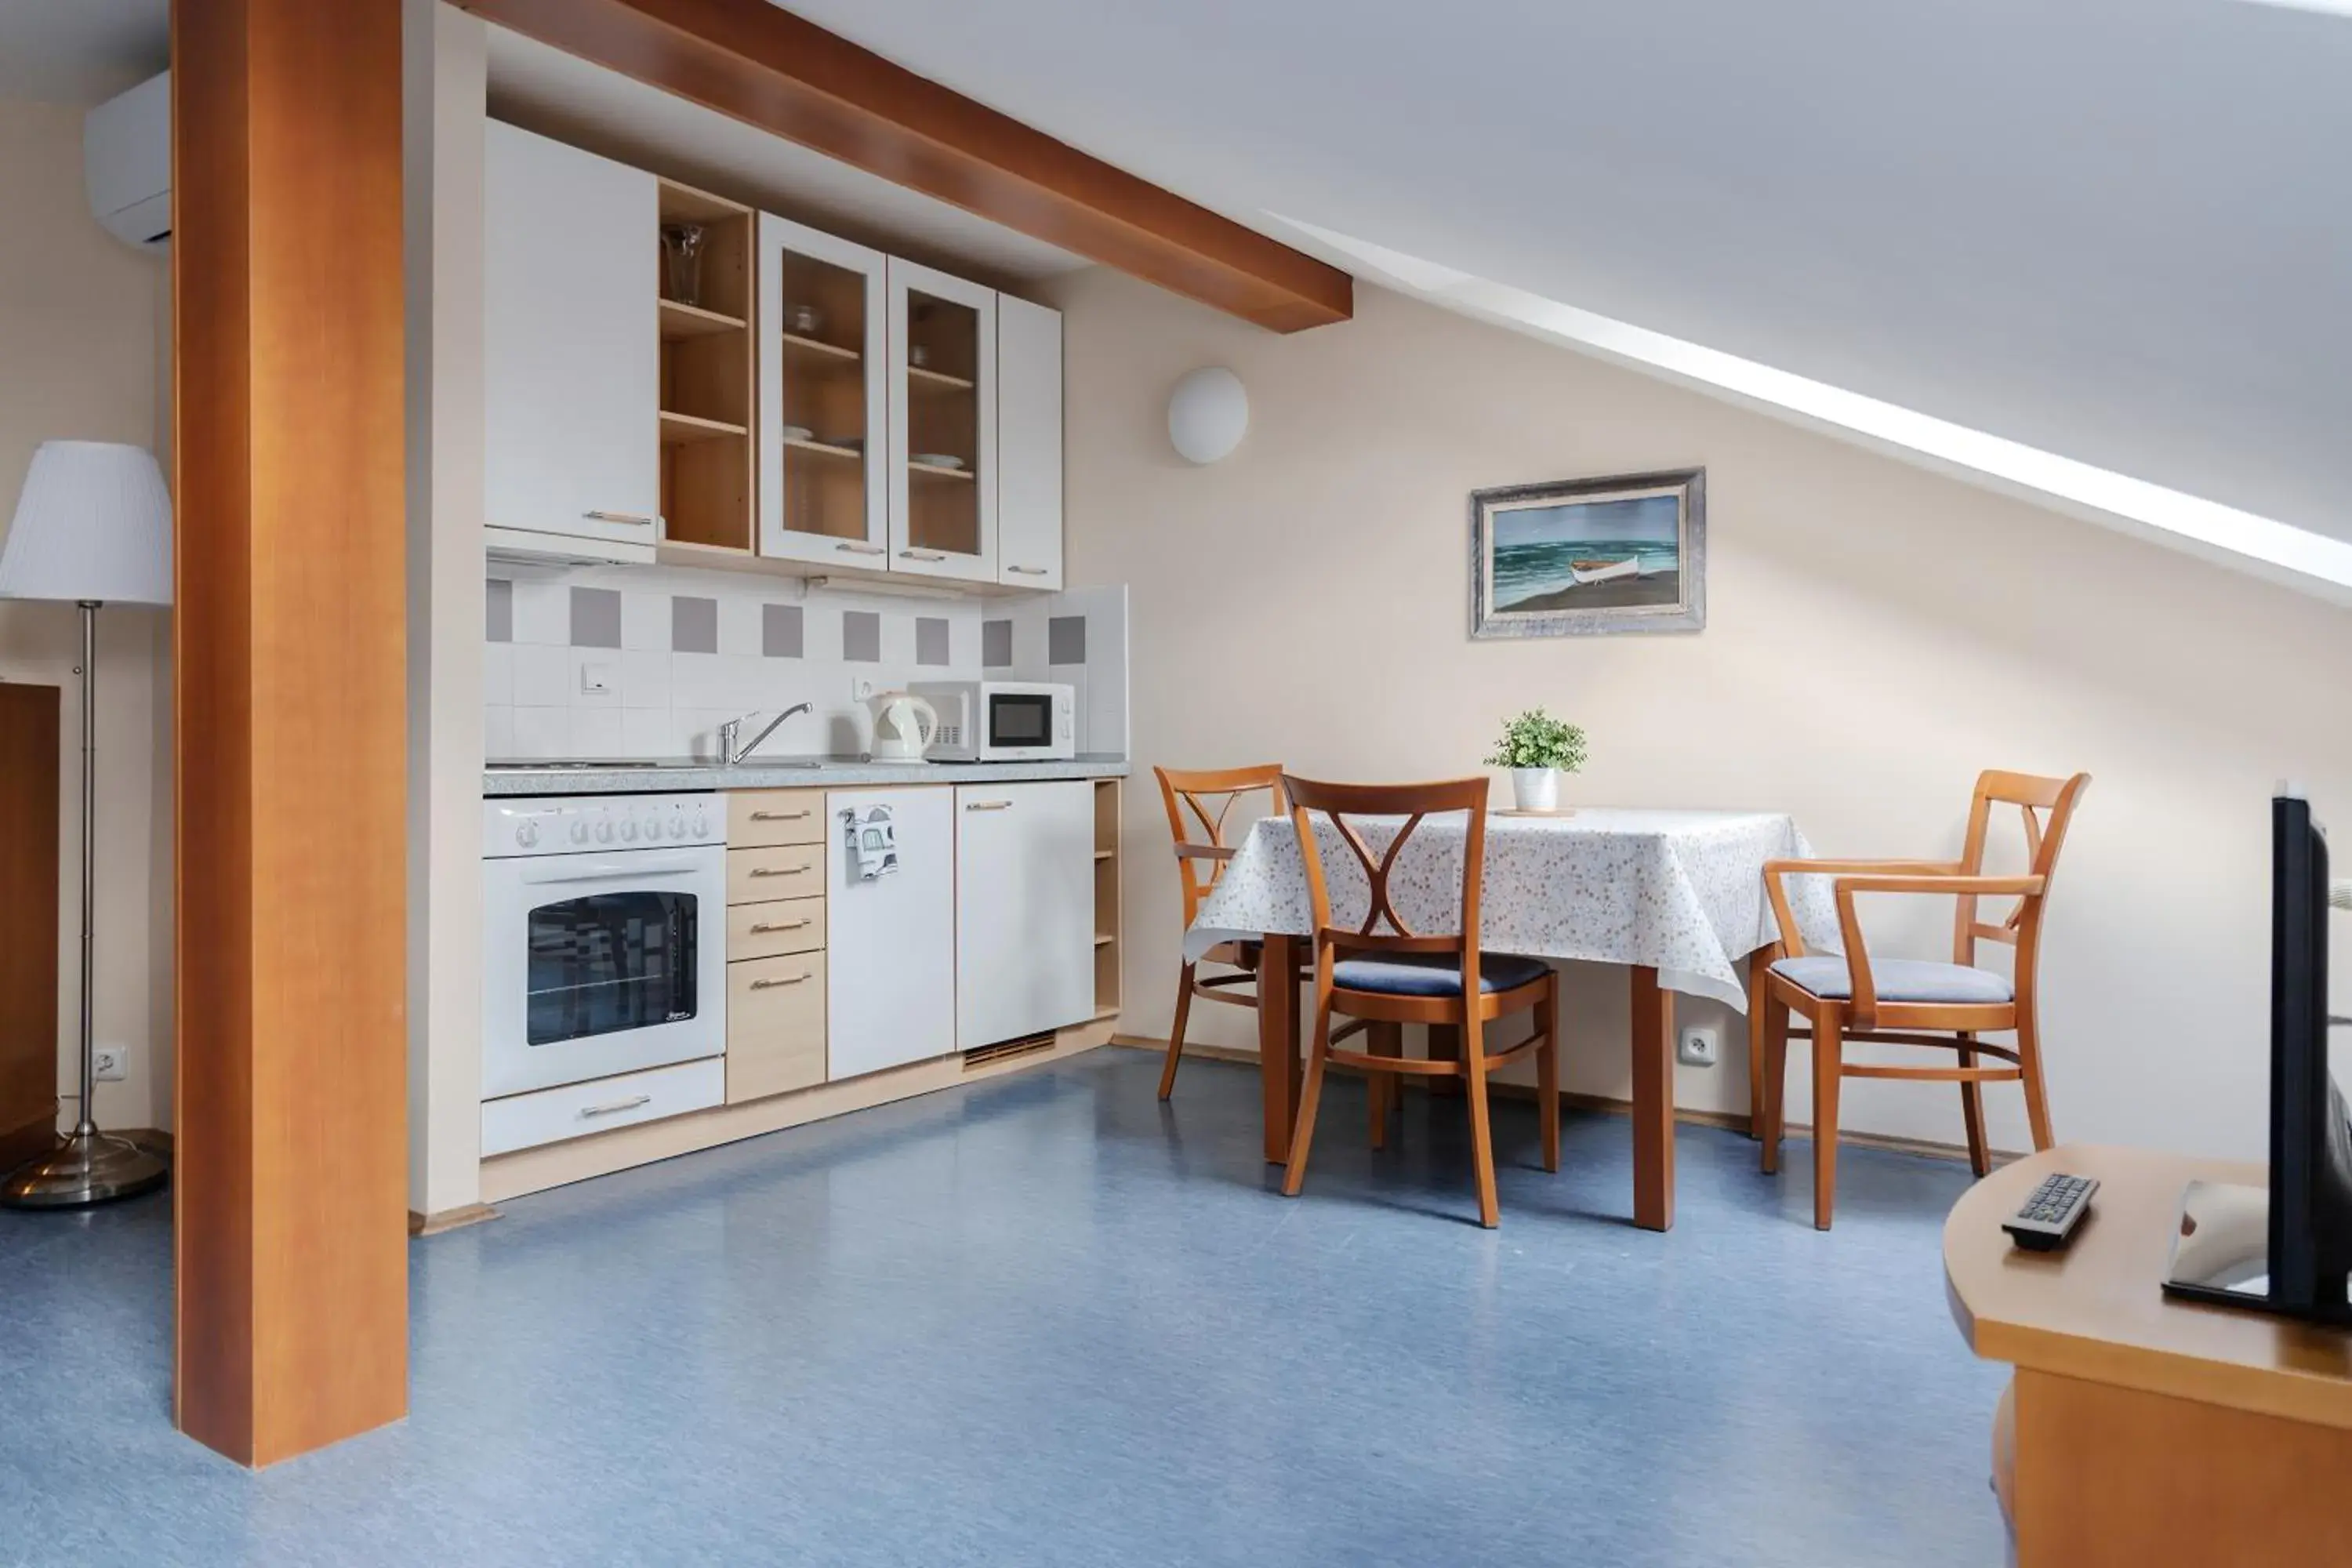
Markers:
<point>1538,749</point>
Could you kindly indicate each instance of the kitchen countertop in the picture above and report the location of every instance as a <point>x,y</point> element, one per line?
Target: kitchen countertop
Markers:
<point>684,776</point>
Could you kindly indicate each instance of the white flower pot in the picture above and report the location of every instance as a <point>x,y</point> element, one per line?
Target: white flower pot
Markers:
<point>1535,789</point>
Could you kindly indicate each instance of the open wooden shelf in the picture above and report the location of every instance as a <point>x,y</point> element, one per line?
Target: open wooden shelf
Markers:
<point>1107,920</point>
<point>687,552</point>
<point>681,322</point>
<point>679,429</point>
<point>932,471</point>
<point>825,449</point>
<point>1103,854</point>
<point>923,378</point>
<point>818,349</point>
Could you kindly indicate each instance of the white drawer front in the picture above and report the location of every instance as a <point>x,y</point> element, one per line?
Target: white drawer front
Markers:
<point>576,1110</point>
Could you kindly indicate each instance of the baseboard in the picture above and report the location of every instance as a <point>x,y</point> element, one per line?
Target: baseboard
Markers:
<point>1607,1105</point>
<point>449,1219</point>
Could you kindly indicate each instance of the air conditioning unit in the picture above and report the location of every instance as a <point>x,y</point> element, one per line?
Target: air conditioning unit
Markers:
<point>126,155</point>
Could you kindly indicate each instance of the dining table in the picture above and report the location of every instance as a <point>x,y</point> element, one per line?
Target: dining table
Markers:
<point>1675,896</point>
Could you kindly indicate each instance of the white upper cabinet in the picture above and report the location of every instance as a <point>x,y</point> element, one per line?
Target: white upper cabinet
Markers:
<point>943,472</point>
<point>1028,444</point>
<point>824,399</point>
<point>571,355</point>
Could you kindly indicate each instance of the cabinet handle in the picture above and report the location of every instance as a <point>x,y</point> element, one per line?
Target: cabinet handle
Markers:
<point>779,925</point>
<point>638,519</point>
<point>924,555</point>
<point>778,870</point>
<point>616,1107</point>
<point>856,549</point>
<point>988,805</point>
<point>1030,571</point>
<point>771,984</point>
<point>800,815</point>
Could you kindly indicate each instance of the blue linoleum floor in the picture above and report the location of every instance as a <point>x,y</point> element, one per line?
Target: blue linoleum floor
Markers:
<point>1048,1320</point>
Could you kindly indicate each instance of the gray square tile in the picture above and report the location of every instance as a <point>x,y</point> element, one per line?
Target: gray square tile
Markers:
<point>861,637</point>
<point>498,607</point>
<point>693,625</point>
<point>931,639</point>
<point>595,617</point>
<point>996,645</point>
<point>1066,639</point>
<point>780,631</point>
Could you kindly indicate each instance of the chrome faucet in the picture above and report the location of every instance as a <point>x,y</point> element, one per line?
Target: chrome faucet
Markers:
<point>729,754</point>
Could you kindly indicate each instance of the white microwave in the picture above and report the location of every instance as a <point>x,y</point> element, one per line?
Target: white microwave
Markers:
<point>1000,721</point>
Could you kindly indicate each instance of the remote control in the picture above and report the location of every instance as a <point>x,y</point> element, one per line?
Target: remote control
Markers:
<point>2049,1217</point>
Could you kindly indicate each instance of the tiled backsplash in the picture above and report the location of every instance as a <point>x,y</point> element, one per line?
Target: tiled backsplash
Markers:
<point>648,662</point>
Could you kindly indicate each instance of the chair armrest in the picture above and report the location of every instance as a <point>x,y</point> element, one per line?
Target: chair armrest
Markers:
<point>1864,1003</point>
<point>1792,941</point>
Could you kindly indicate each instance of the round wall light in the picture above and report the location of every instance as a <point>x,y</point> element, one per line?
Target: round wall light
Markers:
<point>1208,414</point>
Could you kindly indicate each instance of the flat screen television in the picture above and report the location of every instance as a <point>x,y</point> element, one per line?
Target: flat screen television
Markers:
<point>2286,1249</point>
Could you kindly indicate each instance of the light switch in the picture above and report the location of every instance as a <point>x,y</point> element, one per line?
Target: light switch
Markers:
<point>595,679</point>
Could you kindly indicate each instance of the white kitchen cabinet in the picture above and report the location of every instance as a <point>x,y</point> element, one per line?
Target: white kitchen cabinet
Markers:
<point>1024,909</point>
<point>1028,444</point>
<point>825,385</point>
<point>942,413</point>
<point>571,354</point>
<point>890,953</point>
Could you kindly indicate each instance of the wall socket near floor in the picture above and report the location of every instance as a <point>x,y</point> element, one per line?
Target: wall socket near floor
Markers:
<point>1696,1049</point>
<point>112,1061</point>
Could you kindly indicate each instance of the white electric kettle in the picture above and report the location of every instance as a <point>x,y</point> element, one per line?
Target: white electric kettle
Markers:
<point>903,727</point>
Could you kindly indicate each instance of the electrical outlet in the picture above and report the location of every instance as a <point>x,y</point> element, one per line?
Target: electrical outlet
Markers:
<point>861,688</point>
<point>595,679</point>
<point>113,1061</point>
<point>1696,1049</point>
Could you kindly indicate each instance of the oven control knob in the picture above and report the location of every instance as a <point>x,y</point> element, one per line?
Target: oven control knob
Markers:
<point>628,830</point>
<point>579,831</point>
<point>702,826</point>
<point>604,833</point>
<point>677,827</point>
<point>527,833</point>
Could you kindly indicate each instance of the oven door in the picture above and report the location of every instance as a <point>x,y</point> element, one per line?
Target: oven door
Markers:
<point>598,965</point>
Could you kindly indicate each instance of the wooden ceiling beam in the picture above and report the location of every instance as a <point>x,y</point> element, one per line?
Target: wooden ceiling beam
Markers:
<point>763,65</point>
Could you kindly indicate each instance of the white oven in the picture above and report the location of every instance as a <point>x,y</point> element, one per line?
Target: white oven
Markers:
<point>1000,721</point>
<point>604,937</point>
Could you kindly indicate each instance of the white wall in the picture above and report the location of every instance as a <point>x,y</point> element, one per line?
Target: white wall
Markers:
<point>81,316</point>
<point>1876,635</point>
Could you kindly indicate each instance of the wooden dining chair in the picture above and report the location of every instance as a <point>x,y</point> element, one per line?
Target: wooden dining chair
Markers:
<point>1200,861</point>
<point>1385,980</point>
<point>1911,1002</point>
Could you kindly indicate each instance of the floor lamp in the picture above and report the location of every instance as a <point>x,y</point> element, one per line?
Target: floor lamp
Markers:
<point>93,526</point>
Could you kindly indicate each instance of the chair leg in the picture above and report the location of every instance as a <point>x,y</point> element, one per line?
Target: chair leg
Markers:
<point>1302,1135</point>
<point>1548,1072</point>
<point>1380,1089</point>
<point>1972,1111</point>
<point>1829,1051</point>
<point>2037,1092</point>
<point>1482,1132</point>
<point>1176,1031</point>
<point>1775,1079</point>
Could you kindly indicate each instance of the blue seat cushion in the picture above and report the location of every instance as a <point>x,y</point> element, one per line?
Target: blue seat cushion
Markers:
<point>1900,980</point>
<point>1434,974</point>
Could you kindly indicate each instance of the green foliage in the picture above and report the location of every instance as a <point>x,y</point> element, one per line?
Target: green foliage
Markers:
<point>1537,739</point>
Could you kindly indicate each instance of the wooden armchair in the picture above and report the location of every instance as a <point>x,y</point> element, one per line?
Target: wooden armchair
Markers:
<point>1198,863</point>
<point>1912,1002</point>
<point>1385,980</point>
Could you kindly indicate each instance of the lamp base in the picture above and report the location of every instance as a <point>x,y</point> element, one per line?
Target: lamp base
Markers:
<point>85,1168</point>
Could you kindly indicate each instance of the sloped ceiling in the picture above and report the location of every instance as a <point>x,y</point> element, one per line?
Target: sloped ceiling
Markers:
<point>2119,230</point>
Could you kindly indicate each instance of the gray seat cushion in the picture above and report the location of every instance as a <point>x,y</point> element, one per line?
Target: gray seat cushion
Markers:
<point>1434,974</point>
<point>1900,980</point>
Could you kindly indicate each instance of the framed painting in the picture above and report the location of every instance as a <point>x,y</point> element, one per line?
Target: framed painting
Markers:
<point>1587,556</point>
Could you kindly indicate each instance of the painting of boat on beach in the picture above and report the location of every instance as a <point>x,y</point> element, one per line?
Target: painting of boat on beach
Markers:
<point>1589,555</point>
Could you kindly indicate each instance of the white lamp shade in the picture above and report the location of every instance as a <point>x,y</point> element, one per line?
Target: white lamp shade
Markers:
<point>1208,415</point>
<point>94,523</point>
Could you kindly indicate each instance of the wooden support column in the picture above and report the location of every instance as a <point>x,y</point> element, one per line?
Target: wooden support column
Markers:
<point>289,675</point>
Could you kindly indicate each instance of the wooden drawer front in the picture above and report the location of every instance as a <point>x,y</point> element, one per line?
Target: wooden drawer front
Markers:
<point>757,818</point>
<point>576,1110</point>
<point>775,1026</point>
<point>786,871</point>
<point>766,930</point>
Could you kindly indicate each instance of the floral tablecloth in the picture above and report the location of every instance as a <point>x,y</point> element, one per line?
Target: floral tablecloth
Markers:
<point>1678,892</point>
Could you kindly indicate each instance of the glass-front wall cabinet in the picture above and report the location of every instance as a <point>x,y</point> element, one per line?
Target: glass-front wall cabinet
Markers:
<point>824,424</point>
<point>942,424</point>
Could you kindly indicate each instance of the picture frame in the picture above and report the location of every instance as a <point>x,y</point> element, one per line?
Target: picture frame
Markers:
<point>1590,557</point>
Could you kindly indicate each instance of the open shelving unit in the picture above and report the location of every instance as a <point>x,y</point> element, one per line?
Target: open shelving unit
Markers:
<point>1106,891</point>
<point>707,376</point>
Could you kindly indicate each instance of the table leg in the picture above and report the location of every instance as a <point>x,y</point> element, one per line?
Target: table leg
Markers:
<point>1759,966</point>
<point>1277,1043</point>
<point>1445,1046</point>
<point>1653,1103</point>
